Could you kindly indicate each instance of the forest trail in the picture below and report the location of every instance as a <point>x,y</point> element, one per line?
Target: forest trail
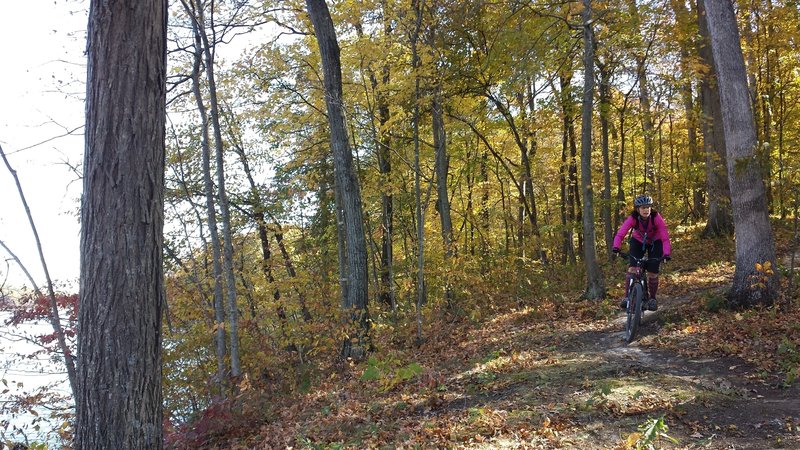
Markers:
<point>707,402</point>
<point>523,381</point>
<point>591,390</point>
<point>553,372</point>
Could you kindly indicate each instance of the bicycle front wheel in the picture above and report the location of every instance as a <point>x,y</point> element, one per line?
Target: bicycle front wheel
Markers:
<point>635,299</point>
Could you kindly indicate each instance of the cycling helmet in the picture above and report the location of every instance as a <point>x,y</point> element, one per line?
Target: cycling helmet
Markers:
<point>642,200</point>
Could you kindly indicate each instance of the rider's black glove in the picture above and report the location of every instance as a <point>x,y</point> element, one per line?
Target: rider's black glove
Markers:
<point>615,250</point>
<point>667,257</point>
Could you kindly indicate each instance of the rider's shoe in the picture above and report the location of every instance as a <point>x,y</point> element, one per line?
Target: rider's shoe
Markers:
<point>652,305</point>
<point>623,304</point>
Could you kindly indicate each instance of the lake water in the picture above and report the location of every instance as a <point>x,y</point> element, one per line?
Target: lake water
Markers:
<point>20,373</point>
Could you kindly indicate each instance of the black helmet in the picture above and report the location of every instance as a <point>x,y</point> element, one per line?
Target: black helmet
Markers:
<point>642,200</point>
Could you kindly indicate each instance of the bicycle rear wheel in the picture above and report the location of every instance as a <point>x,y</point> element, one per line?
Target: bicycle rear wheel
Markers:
<point>635,298</point>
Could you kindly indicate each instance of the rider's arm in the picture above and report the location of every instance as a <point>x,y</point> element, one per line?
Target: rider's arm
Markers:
<point>623,230</point>
<point>663,234</point>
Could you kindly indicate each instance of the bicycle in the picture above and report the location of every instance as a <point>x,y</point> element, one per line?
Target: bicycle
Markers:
<point>637,293</point>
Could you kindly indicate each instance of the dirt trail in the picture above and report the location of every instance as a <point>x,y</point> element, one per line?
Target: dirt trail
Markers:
<point>718,403</point>
<point>580,386</point>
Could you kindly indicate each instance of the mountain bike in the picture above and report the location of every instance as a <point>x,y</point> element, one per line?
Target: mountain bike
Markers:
<point>637,294</point>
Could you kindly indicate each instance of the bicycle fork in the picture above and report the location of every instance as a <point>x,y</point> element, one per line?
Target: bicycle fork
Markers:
<point>635,279</point>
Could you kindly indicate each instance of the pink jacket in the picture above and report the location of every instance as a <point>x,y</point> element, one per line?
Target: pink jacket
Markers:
<point>655,227</point>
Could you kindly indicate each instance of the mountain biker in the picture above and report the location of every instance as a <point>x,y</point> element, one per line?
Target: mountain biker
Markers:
<point>649,235</point>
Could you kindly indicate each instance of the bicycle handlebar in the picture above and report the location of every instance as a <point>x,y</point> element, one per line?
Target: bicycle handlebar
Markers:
<point>642,259</point>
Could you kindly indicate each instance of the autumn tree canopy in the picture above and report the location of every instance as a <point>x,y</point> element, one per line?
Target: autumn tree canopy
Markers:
<point>485,142</point>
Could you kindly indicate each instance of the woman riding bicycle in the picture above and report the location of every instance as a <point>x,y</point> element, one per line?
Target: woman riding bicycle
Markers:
<point>650,235</point>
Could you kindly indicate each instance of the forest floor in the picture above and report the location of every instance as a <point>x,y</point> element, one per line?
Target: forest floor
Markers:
<point>556,373</point>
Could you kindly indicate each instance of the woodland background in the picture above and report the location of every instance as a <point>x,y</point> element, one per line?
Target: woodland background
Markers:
<point>464,122</point>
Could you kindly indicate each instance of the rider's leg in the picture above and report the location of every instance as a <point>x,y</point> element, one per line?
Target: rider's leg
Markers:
<point>656,250</point>
<point>652,284</point>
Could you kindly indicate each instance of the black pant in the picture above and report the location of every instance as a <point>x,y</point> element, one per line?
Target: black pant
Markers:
<point>654,250</point>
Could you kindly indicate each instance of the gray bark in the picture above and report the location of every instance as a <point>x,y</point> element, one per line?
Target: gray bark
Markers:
<point>605,106</point>
<point>211,215</point>
<point>526,152</point>
<point>442,169</point>
<point>719,216</point>
<point>644,104</point>
<point>387,294</point>
<point>122,215</point>
<point>686,32</point>
<point>754,238</point>
<point>224,207</point>
<point>594,285</point>
<point>345,181</point>
<point>415,62</point>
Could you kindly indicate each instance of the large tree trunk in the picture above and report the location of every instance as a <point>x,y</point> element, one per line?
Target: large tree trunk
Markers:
<point>122,216</point>
<point>594,285</point>
<point>719,217</point>
<point>754,239</point>
<point>346,183</point>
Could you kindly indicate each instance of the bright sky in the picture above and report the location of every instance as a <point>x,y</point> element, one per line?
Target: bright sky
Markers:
<point>42,76</point>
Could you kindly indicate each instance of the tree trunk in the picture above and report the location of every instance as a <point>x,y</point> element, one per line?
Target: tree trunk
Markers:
<point>381,136</point>
<point>415,63</point>
<point>619,169</point>
<point>754,239</point>
<point>527,152</point>
<point>258,212</point>
<point>685,32</point>
<point>387,294</point>
<point>526,197</point>
<point>346,183</point>
<point>442,169</point>
<point>644,103</point>
<point>605,106</point>
<point>594,285</point>
<point>566,175</point>
<point>211,214</point>
<point>575,209</point>
<point>122,217</point>
<point>484,172</point>
<point>648,172</point>
<point>719,217</point>
<point>224,207</point>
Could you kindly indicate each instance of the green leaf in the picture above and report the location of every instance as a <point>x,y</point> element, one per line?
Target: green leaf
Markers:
<point>371,374</point>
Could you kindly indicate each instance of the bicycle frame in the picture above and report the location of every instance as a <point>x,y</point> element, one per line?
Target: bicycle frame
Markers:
<point>637,293</point>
